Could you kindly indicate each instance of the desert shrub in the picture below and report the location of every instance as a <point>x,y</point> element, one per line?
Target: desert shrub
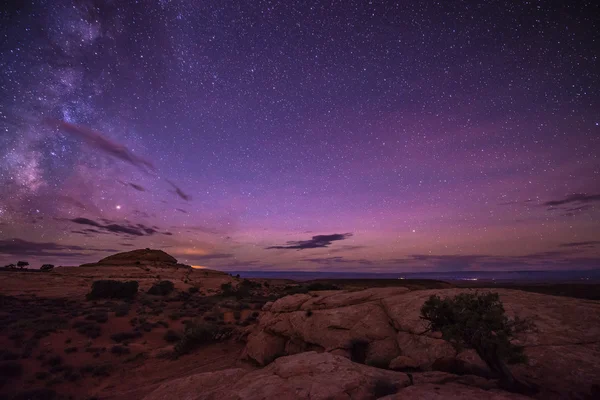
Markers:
<point>162,288</point>
<point>123,336</point>
<point>110,289</point>
<point>96,370</point>
<point>309,313</point>
<point>87,328</point>
<point>46,267</point>
<point>171,336</point>
<point>11,369</point>
<point>193,290</point>
<point>321,286</point>
<point>478,321</point>
<point>41,375</point>
<point>7,355</point>
<point>383,387</point>
<point>22,264</point>
<point>198,333</point>
<point>54,361</point>
<point>237,315</point>
<point>119,350</point>
<point>99,316</point>
<point>36,394</point>
<point>358,350</point>
<point>70,350</point>
<point>175,316</point>
<point>122,310</point>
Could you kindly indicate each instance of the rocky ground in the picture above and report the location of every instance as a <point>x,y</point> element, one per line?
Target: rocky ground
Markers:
<point>276,339</point>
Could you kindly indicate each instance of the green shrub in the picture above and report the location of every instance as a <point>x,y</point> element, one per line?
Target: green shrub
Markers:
<point>110,289</point>
<point>162,288</point>
<point>478,321</point>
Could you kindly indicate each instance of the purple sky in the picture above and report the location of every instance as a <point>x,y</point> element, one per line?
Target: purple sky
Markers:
<point>339,136</point>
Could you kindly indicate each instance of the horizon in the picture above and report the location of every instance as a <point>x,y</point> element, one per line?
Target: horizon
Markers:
<point>360,138</point>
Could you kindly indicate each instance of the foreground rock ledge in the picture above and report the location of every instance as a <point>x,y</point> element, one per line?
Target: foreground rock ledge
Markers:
<point>319,376</point>
<point>563,353</point>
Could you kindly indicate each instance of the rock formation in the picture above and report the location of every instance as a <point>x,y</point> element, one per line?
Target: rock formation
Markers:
<point>136,257</point>
<point>381,327</point>
<point>322,376</point>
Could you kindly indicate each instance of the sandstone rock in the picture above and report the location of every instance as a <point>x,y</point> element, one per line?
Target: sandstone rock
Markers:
<point>450,391</point>
<point>403,362</point>
<point>141,256</point>
<point>310,375</point>
<point>563,352</point>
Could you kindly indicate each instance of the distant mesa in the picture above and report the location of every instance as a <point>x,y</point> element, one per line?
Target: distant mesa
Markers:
<point>137,257</point>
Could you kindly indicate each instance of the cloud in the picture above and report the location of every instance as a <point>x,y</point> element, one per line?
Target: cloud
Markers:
<point>591,243</point>
<point>315,242</point>
<point>137,187</point>
<point>110,226</point>
<point>179,192</point>
<point>102,143</point>
<point>337,260</point>
<point>38,249</point>
<point>574,198</point>
<point>181,210</point>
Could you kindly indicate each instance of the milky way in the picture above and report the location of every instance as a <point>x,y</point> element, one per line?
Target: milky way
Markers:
<point>338,135</point>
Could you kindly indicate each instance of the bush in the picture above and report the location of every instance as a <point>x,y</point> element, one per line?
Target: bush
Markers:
<point>36,394</point>
<point>162,288</point>
<point>123,336</point>
<point>119,350</point>
<point>197,334</point>
<point>99,316</point>
<point>171,336</point>
<point>89,329</point>
<point>321,286</point>
<point>22,264</point>
<point>193,290</point>
<point>110,289</point>
<point>70,350</point>
<point>11,369</point>
<point>477,321</point>
<point>46,267</point>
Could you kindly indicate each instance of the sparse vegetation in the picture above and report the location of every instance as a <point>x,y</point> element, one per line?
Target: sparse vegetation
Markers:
<point>125,336</point>
<point>119,350</point>
<point>22,264</point>
<point>478,321</point>
<point>10,369</point>
<point>110,289</point>
<point>46,267</point>
<point>198,333</point>
<point>162,288</point>
<point>171,336</point>
<point>87,328</point>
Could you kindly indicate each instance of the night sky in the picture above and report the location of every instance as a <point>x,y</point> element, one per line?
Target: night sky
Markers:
<point>372,136</point>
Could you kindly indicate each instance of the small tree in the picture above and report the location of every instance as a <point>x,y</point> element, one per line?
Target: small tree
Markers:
<point>47,267</point>
<point>477,321</point>
<point>10,266</point>
<point>22,264</point>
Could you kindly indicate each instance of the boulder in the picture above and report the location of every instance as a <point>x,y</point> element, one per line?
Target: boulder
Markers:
<point>450,391</point>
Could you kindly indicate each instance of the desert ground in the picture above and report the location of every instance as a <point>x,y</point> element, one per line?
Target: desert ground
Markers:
<point>271,338</point>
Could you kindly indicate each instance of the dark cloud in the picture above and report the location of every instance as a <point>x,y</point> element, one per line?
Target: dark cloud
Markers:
<point>181,210</point>
<point>574,198</point>
<point>179,192</point>
<point>100,142</point>
<point>337,260</point>
<point>315,242</point>
<point>591,243</point>
<point>137,187</point>
<point>110,226</point>
<point>47,249</point>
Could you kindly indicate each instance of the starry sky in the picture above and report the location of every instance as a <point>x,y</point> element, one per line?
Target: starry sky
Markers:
<point>373,136</point>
